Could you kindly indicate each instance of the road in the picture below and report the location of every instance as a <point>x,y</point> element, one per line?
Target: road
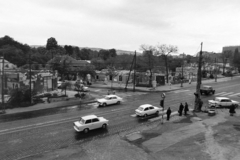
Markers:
<point>21,138</point>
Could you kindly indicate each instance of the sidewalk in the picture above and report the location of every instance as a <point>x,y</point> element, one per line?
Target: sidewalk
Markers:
<point>76,101</point>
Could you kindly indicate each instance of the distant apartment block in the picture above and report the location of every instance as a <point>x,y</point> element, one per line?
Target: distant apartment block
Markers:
<point>230,48</point>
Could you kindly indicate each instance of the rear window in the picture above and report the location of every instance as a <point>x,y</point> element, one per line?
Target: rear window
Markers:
<point>140,108</point>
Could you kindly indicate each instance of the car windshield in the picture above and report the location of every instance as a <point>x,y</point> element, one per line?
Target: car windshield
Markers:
<point>140,108</point>
<point>82,121</point>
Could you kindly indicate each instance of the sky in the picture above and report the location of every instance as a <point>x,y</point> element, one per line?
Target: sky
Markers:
<point>124,24</point>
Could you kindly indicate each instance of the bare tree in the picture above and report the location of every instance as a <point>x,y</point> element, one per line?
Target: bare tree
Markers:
<point>165,50</point>
<point>148,51</point>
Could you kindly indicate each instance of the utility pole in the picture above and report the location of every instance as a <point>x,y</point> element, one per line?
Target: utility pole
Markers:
<point>30,77</point>
<point>215,69</point>
<point>199,79</point>
<point>182,71</point>
<point>134,73</point>
<point>3,106</point>
<point>52,69</point>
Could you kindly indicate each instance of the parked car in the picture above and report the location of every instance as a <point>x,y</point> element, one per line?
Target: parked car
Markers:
<point>206,90</point>
<point>148,109</point>
<point>90,122</point>
<point>222,102</point>
<point>109,99</point>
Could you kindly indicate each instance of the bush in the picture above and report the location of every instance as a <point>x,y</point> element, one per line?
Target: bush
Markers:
<point>211,76</point>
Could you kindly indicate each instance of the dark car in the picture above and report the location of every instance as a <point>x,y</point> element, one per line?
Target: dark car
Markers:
<point>207,90</point>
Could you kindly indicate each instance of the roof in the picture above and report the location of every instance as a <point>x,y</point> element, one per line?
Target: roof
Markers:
<point>89,117</point>
<point>111,95</point>
<point>145,105</point>
<point>222,98</point>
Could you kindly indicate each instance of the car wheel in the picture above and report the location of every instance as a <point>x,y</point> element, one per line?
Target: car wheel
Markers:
<point>118,102</point>
<point>157,113</point>
<point>104,126</point>
<point>104,104</point>
<point>86,130</point>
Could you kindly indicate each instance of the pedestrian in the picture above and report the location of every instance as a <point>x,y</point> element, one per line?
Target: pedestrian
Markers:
<point>168,113</point>
<point>200,104</point>
<point>189,81</point>
<point>232,110</point>
<point>180,109</point>
<point>186,109</point>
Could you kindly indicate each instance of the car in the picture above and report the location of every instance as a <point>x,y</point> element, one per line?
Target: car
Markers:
<point>147,109</point>
<point>90,122</point>
<point>206,90</point>
<point>109,99</point>
<point>222,102</point>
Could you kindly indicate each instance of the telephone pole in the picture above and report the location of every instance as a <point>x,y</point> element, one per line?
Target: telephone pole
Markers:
<point>182,71</point>
<point>199,81</point>
<point>134,73</point>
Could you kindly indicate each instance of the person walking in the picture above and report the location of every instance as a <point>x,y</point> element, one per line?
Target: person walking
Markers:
<point>232,110</point>
<point>168,113</point>
<point>186,109</point>
<point>180,109</point>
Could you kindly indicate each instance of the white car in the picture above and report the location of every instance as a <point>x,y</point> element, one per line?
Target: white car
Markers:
<point>109,99</point>
<point>90,122</point>
<point>222,102</point>
<point>148,109</point>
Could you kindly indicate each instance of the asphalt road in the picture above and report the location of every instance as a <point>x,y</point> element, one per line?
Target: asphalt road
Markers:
<point>26,137</point>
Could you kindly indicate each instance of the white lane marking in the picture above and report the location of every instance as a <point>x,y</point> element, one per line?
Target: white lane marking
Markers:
<point>220,93</point>
<point>133,115</point>
<point>225,94</point>
<point>234,94</point>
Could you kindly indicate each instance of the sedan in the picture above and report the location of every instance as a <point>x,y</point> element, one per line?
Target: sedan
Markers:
<point>148,109</point>
<point>109,99</point>
<point>90,122</point>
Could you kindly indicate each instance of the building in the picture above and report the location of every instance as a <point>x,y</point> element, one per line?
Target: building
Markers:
<point>230,48</point>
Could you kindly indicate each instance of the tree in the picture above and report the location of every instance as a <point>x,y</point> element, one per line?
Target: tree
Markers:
<point>148,53</point>
<point>165,50</point>
<point>51,43</point>
<point>236,59</point>
<point>112,73</point>
<point>69,49</point>
<point>226,55</point>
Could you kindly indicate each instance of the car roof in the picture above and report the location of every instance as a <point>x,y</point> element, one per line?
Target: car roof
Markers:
<point>89,117</point>
<point>206,86</point>
<point>222,98</point>
<point>111,95</point>
<point>145,105</point>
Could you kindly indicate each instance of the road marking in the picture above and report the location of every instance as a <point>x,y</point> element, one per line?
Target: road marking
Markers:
<point>220,93</point>
<point>133,115</point>
<point>234,94</point>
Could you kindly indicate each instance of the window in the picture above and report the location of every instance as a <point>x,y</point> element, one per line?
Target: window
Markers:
<point>88,121</point>
<point>227,100</point>
<point>95,120</point>
<point>150,107</point>
<point>114,97</point>
<point>145,109</point>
